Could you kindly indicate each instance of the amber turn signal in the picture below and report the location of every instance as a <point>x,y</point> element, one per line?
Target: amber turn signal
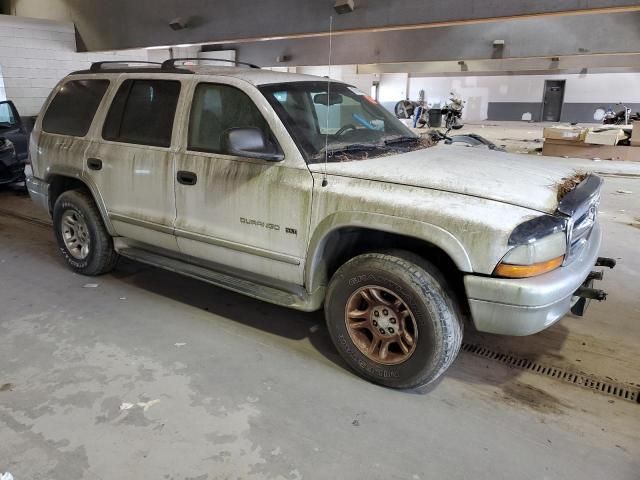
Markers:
<point>523,271</point>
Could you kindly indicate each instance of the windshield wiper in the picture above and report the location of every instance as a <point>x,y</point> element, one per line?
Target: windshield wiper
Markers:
<point>353,147</point>
<point>400,139</point>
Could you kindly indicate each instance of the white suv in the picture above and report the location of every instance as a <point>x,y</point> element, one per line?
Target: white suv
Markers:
<point>302,192</point>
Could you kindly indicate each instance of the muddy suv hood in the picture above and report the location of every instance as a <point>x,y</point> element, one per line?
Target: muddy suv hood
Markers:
<point>520,180</point>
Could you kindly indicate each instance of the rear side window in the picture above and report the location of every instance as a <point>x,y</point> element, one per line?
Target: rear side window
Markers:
<point>143,112</point>
<point>72,109</point>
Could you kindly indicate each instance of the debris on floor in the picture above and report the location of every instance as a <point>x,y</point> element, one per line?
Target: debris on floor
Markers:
<point>626,192</point>
<point>6,476</point>
<point>147,405</point>
<point>143,405</point>
<point>91,285</point>
<point>569,183</point>
<point>611,142</point>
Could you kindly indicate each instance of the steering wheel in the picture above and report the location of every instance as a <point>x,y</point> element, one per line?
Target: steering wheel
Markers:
<point>345,129</point>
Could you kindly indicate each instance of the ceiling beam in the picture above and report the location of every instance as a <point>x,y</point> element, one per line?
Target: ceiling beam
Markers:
<point>513,66</point>
<point>522,38</point>
<point>119,24</point>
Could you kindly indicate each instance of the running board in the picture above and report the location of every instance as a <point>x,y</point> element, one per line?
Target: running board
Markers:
<point>300,300</point>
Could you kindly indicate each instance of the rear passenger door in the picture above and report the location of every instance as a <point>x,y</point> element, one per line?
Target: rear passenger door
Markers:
<point>132,160</point>
<point>65,126</point>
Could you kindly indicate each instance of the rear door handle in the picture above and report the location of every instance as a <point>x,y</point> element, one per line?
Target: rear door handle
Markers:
<point>187,178</point>
<point>94,164</point>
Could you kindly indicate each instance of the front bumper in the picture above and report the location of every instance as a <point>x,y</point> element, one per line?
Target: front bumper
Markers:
<point>39,192</point>
<point>525,306</point>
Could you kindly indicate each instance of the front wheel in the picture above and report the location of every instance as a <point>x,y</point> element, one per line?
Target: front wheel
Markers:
<point>393,320</point>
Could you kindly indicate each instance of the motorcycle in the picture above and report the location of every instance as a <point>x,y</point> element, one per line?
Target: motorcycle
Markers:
<point>451,112</point>
<point>621,117</point>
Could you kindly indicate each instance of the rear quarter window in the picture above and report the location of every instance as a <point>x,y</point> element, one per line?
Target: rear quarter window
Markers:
<point>72,109</point>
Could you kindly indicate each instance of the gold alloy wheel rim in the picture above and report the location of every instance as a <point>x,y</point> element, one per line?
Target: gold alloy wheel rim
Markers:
<point>381,325</point>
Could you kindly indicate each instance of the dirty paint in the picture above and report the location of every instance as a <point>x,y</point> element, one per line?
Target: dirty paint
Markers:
<point>233,189</point>
<point>499,176</point>
<point>480,226</point>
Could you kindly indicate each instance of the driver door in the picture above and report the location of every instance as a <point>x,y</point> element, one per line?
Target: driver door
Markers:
<point>243,214</point>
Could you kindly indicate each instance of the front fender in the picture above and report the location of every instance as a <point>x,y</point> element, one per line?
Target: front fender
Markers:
<point>438,236</point>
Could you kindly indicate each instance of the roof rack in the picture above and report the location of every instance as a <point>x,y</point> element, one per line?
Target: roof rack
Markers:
<point>171,63</point>
<point>97,66</point>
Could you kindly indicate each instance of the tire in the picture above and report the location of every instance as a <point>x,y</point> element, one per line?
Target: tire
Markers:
<point>422,291</point>
<point>100,256</point>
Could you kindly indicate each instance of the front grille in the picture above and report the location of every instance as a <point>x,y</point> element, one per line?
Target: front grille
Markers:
<point>581,225</point>
<point>580,206</point>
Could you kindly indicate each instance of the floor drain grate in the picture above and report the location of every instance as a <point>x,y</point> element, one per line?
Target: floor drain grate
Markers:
<point>623,392</point>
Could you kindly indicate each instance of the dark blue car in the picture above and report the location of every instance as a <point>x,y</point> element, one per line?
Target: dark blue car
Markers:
<point>14,143</point>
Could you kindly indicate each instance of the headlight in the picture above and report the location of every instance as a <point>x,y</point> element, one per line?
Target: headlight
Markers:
<point>539,245</point>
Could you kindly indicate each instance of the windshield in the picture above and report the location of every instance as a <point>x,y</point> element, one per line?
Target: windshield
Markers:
<point>356,122</point>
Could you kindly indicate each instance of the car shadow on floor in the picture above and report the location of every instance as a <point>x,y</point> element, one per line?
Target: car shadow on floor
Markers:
<point>273,319</point>
<point>298,326</point>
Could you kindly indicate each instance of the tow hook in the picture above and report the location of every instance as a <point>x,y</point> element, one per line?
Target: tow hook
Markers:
<point>596,275</point>
<point>591,293</point>
<point>606,262</point>
<point>586,292</point>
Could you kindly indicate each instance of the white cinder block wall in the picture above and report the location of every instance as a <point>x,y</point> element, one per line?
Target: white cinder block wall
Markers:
<point>36,54</point>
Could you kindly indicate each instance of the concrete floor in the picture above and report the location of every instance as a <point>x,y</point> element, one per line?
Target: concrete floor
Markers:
<point>154,375</point>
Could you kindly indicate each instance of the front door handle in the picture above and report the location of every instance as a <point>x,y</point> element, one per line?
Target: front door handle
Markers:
<point>187,178</point>
<point>94,164</point>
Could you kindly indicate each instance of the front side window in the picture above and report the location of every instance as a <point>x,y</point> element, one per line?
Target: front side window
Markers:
<point>217,109</point>
<point>337,121</point>
<point>72,109</point>
<point>143,112</point>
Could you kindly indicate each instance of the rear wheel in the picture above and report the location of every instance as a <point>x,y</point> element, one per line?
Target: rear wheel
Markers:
<point>81,235</point>
<point>393,320</point>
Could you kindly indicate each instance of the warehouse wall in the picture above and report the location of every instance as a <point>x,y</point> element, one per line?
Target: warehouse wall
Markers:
<point>343,73</point>
<point>36,54</point>
<point>509,97</point>
<point>58,10</point>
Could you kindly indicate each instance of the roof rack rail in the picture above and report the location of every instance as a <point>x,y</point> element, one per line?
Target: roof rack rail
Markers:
<point>171,63</point>
<point>97,66</point>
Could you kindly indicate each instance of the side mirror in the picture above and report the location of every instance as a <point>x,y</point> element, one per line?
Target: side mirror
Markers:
<point>9,112</point>
<point>251,143</point>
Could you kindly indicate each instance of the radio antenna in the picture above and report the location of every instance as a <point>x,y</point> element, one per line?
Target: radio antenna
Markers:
<point>326,133</point>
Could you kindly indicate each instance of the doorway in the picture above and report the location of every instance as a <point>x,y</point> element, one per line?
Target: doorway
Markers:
<point>552,100</point>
